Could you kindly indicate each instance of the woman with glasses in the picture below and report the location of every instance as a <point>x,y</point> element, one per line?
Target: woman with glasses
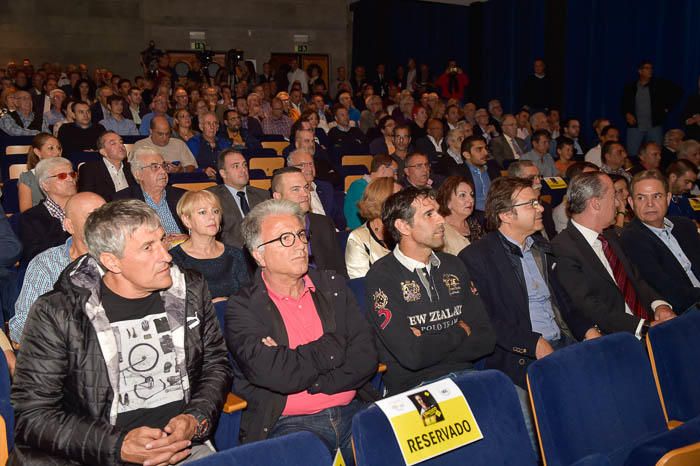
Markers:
<point>224,267</point>
<point>456,200</point>
<point>42,225</point>
<point>367,243</point>
<point>382,166</point>
<point>182,125</point>
<point>44,146</point>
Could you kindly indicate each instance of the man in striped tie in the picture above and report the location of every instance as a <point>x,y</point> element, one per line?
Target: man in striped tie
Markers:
<point>602,283</point>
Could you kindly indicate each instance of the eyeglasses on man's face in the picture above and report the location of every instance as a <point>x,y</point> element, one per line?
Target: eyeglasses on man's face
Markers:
<point>534,203</point>
<point>155,166</point>
<point>64,175</point>
<point>288,239</point>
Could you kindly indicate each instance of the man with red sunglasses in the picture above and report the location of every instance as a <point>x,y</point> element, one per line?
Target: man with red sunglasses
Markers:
<point>42,225</point>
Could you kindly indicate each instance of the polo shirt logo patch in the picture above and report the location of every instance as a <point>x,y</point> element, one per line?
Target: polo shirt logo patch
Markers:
<point>452,283</point>
<point>380,302</point>
<point>411,291</point>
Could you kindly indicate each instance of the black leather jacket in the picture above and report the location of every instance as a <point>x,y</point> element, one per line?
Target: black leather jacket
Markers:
<point>62,393</point>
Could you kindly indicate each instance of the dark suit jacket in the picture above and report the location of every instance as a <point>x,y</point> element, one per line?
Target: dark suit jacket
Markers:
<point>97,113</point>
<point>232,218</point>
<point>592,291</point>
<point>503,289</point>
<point>172,196</point>
<point>39,231</point>
<point>326,193</point>
<point>658,265</point>
<point>94,177</point>
<point>325,248</point>
<point>501,151</point>
<point>424,146</point>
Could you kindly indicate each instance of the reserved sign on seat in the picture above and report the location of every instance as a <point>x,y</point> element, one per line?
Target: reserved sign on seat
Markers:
<point>430,421</point>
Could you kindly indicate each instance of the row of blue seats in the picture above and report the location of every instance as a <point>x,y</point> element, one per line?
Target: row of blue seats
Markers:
<point>595,404</point>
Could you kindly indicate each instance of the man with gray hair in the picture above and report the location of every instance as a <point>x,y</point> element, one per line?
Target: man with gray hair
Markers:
<point>304,352</point>
<point>151,174</point>
<point>603,285</point>
<point>126,350</point>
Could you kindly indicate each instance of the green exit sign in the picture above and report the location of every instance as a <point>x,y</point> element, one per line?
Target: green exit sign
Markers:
<point>198,45</point>
<point>303,48</point>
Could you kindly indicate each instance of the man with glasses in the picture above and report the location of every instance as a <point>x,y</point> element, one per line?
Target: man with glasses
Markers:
<point>527,170</point>
<point>159,107</point>
<point>513,269</point>
<point>417,171</point>
<point>151,173</point>
<point>304,352</point>
<point>173,150</point>
<point>289,183</point>
<point>236,196</point>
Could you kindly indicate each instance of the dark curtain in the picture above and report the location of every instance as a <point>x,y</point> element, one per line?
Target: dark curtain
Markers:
<point>606,40</point>
<point>591,47</point>
<point>493,42</point>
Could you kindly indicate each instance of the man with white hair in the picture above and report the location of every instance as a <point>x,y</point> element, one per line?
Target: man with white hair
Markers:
<point>150,171</point>
<point>304,352</point>
<point>41,227</point>
<point>45,268</point>
<point>126,350</point>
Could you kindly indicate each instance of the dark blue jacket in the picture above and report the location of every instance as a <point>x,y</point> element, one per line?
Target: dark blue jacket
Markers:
<point>494,264</point>
<point>657,264</point>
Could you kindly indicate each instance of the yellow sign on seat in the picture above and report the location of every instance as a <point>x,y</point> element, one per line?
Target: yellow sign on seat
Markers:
<point>265,183</point>
<point>555,182</point>
<point>17,150</point>
<point>431,420</point>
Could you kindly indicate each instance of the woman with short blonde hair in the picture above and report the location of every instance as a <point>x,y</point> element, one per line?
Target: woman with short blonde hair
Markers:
<point>224,267</point>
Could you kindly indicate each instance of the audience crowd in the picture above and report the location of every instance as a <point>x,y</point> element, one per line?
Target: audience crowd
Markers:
<point>140,305</point>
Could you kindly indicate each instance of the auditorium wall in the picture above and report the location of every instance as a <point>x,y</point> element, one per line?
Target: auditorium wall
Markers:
<point>113,32</point>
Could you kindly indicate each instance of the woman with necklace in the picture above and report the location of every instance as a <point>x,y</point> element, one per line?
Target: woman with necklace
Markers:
<point>366,244</point>
<point>224,267</point>
<point>456,200</point>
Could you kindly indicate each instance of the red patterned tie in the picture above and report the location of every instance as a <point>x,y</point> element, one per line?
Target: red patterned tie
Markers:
<point>622,281</point>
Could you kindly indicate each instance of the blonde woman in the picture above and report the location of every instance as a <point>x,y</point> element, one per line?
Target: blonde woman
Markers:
<point>224,267</point>
<point>366,244</point>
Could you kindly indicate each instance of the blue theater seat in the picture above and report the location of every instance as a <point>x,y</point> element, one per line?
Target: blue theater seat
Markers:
<point>674,349</point>
<point>598,398</point>
<point>494,402</point>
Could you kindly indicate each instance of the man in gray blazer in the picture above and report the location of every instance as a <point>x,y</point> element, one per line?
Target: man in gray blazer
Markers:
<point>237,198</point>
<point>507,147</point>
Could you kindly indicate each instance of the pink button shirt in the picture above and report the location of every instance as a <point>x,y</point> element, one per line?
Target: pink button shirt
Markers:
<point>304,326</point>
